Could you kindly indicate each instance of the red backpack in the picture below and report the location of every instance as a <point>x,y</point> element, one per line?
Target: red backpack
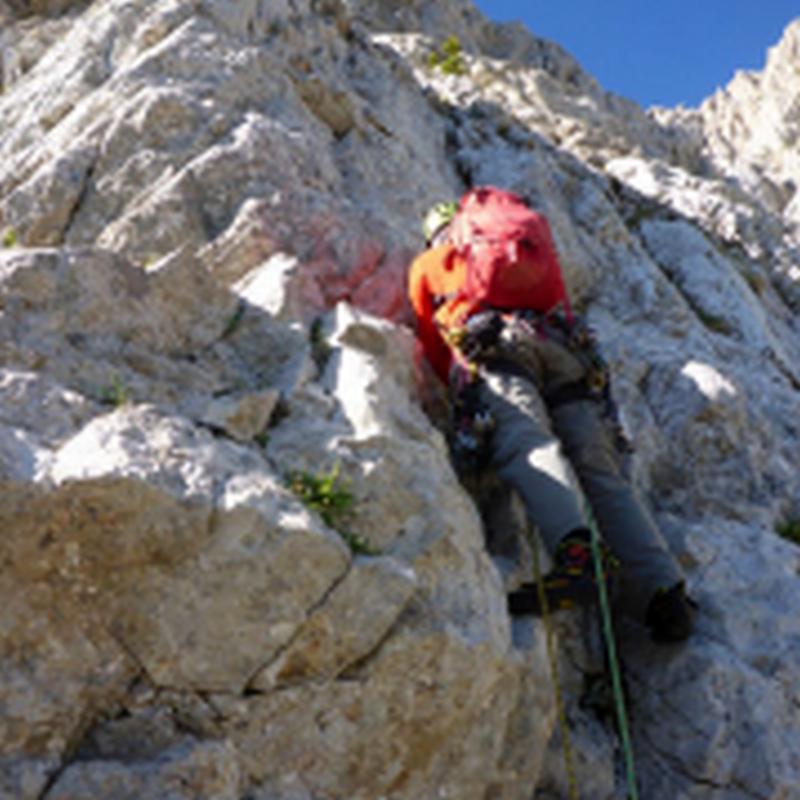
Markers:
<point>509,252</point>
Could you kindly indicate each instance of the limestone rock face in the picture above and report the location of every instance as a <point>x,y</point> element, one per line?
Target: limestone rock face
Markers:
<point>752,126</point>
<point>236,559</point>
<point>747,133</point>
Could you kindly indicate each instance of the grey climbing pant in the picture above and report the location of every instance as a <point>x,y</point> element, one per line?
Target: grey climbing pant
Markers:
<point>540,452</point>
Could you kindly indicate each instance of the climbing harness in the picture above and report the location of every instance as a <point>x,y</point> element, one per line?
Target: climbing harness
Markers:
<point>481,339</point>
<point>471,424</point>
<point>575,335</point>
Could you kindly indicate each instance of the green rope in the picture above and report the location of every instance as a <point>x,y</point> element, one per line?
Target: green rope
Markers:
<point>569,760</point>
<point>616,679</point>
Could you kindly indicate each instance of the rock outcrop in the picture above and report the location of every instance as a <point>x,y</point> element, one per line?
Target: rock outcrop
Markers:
<point>206,212</point>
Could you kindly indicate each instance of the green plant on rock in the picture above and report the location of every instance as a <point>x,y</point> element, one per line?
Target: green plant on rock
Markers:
<point>326,494</point>
<point>9,238</point>
<point>234,321</point>
<point>261,439</point>
<point>448,57</point>
<point>358,544</point>
<point>320,348</point>
<point>115,393</point>
<point>789,530</point>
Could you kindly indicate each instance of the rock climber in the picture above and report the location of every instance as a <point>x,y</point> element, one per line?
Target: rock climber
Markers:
<point>529,394</point>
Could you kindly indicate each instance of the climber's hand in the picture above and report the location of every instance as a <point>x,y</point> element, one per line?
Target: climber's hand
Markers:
<point>481,333</point>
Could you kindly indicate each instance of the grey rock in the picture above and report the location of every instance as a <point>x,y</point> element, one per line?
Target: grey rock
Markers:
<point>207,211</point>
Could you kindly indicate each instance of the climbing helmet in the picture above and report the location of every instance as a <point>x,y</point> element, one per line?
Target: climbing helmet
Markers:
<point>437,216</point>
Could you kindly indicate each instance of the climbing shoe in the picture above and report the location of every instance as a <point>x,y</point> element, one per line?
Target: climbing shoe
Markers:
<point>670,615</point>
<point>570,583</point>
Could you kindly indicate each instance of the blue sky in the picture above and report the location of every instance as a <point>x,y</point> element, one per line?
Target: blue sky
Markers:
<point>656,53</point>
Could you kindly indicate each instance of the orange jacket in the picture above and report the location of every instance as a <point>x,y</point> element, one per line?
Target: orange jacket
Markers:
<point>434,280</point>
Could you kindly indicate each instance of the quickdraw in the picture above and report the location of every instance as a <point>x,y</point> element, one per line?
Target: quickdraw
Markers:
<point>471,425</point>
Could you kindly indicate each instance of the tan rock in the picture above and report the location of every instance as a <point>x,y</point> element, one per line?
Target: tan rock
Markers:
<point>395,725</point>
<point>354,619</point>
<point>243,418</point>
<point>216,176</point>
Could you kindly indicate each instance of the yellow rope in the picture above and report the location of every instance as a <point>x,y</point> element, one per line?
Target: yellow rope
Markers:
<point>569,760</point>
